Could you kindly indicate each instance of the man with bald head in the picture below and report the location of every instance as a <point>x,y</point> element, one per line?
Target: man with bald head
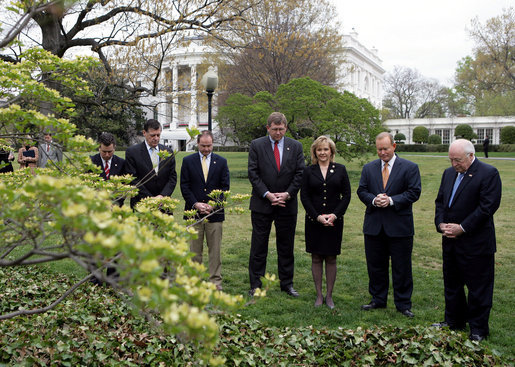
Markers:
<point>469,195</point>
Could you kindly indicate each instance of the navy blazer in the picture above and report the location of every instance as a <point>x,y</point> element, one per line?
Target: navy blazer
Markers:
<point>403,187</point>
<point>139,165</point>
<point>117,165</point>
<point>264,176</point>
<point>476,200</point>
<point>193,186</point>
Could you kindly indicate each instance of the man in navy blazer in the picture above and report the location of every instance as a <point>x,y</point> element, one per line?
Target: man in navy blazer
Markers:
<point>388,187</point>
<point>469,195</point>
<point>154,177</point>
<point>275,168</point>
<point>201,173</point>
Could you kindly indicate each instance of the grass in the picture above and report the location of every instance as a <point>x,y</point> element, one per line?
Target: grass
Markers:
<point>351,290</point>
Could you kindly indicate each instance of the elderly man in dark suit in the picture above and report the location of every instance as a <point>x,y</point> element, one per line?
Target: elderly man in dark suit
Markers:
<point>201,173</point>
<point>275,168</point>
<point>154,177</point>
<point>469,195</point>
<point>388,187</point>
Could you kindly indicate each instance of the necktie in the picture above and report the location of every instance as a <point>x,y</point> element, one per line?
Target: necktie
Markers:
<point>386,174</point>
<point>455,187</point>
<point>155,158</point>
<point>204,167</point>
<point>277,156</point>
<point>106,170</point>
<point>47,147</point>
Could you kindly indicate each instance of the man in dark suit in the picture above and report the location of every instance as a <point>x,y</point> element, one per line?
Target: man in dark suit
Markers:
<point>154,177</point>
<point>388,187</point>
<point>111,164</point>
<point>276,164</point>
<point>201,173</point>
<point>469,195</point>
<point>486,144</point>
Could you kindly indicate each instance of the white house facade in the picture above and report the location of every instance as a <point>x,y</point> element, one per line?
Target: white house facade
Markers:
<point>184,105</point>
<point>444,127</point>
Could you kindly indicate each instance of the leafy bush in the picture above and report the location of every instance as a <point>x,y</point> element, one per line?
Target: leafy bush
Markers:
<point>508,135</point>
<point>505,148</point>
<point>97,329</point>
<point>464,131</point>
<point>399,137</point>
<point>435,139</point>
<point>420,134</point>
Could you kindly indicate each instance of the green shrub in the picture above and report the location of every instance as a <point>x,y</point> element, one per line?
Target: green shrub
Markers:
<point>508,135</point>
<point>435,139</point>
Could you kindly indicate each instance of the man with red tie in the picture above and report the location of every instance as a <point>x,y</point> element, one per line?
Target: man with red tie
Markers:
<point>275,168</point>
<point>111,164</point>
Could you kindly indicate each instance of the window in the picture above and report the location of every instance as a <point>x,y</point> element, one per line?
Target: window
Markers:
<point>446,136</point>
<point>183,78</point>
<point>184,110</point>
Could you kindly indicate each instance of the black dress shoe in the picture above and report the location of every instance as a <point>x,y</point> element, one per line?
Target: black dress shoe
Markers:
<point>477,337</point>
<point>290,291</point>
<point>371,306</point>
<point>407,312</point>
<point>252,291</point>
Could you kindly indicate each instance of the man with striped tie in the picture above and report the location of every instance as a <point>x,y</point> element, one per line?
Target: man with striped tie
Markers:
<point>111,164</point>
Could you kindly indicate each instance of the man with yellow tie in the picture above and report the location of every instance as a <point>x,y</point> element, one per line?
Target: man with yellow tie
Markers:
<point>201,173</point>
<point>388,187</point>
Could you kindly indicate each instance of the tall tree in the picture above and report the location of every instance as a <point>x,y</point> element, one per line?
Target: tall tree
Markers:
<point>402,87</point>
<point>280,41</point>
<point>312,109</point>
<point>487,79</point>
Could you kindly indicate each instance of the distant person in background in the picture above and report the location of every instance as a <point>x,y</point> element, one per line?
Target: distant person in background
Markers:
<point>325,194</point>
<point>6,157</point>
<point>486,144</point>
<point>48,151</point>
<point>469,196</point>
<point>111,164</point>
<point>154,177</point>
<point>28,154</point>
<point>201,173</point>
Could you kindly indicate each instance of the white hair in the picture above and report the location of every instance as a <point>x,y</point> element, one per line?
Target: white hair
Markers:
<point>465,144</point>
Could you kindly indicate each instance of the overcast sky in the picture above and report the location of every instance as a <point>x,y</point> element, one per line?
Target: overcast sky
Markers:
<point>430,36</point>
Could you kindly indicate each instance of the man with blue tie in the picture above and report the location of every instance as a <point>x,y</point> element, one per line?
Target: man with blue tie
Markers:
<point>154,177</point>
<point>201,173</point>
<point>469,195</point>
<point>388,187</point>
<point>276,165</point>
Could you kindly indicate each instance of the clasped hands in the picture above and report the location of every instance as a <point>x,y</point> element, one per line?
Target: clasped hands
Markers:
<point>450,230</point>
<point>382,200</point>
<point>278,198</point>
<point>327,219</point>
<point>203,208</point>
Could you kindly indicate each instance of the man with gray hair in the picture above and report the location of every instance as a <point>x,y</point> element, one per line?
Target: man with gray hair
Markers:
<point>469,195</point>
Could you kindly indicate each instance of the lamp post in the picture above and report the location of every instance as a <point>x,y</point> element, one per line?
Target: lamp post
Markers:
<point>209,82</point>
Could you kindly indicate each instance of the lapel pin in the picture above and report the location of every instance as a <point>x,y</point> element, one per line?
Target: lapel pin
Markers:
<point>331,171</point>
<point>288,148</point>
<point>470,174</point>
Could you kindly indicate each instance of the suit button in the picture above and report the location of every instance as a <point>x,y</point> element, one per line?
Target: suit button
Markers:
<point>205,190</point>
<point>323,204</point>
<point>324,183</point>
<point>325,198</point>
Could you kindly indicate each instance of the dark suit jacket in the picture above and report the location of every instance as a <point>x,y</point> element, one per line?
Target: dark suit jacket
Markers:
<point>138,164</point>
<point>263,174</point>
<point>403,187</point>
<point>331,195</point>
<point>117,165</point>
<point>193,186</point>
<point>476,200</point>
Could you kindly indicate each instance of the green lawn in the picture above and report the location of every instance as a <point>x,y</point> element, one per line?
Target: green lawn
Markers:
<point>351,290</point>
